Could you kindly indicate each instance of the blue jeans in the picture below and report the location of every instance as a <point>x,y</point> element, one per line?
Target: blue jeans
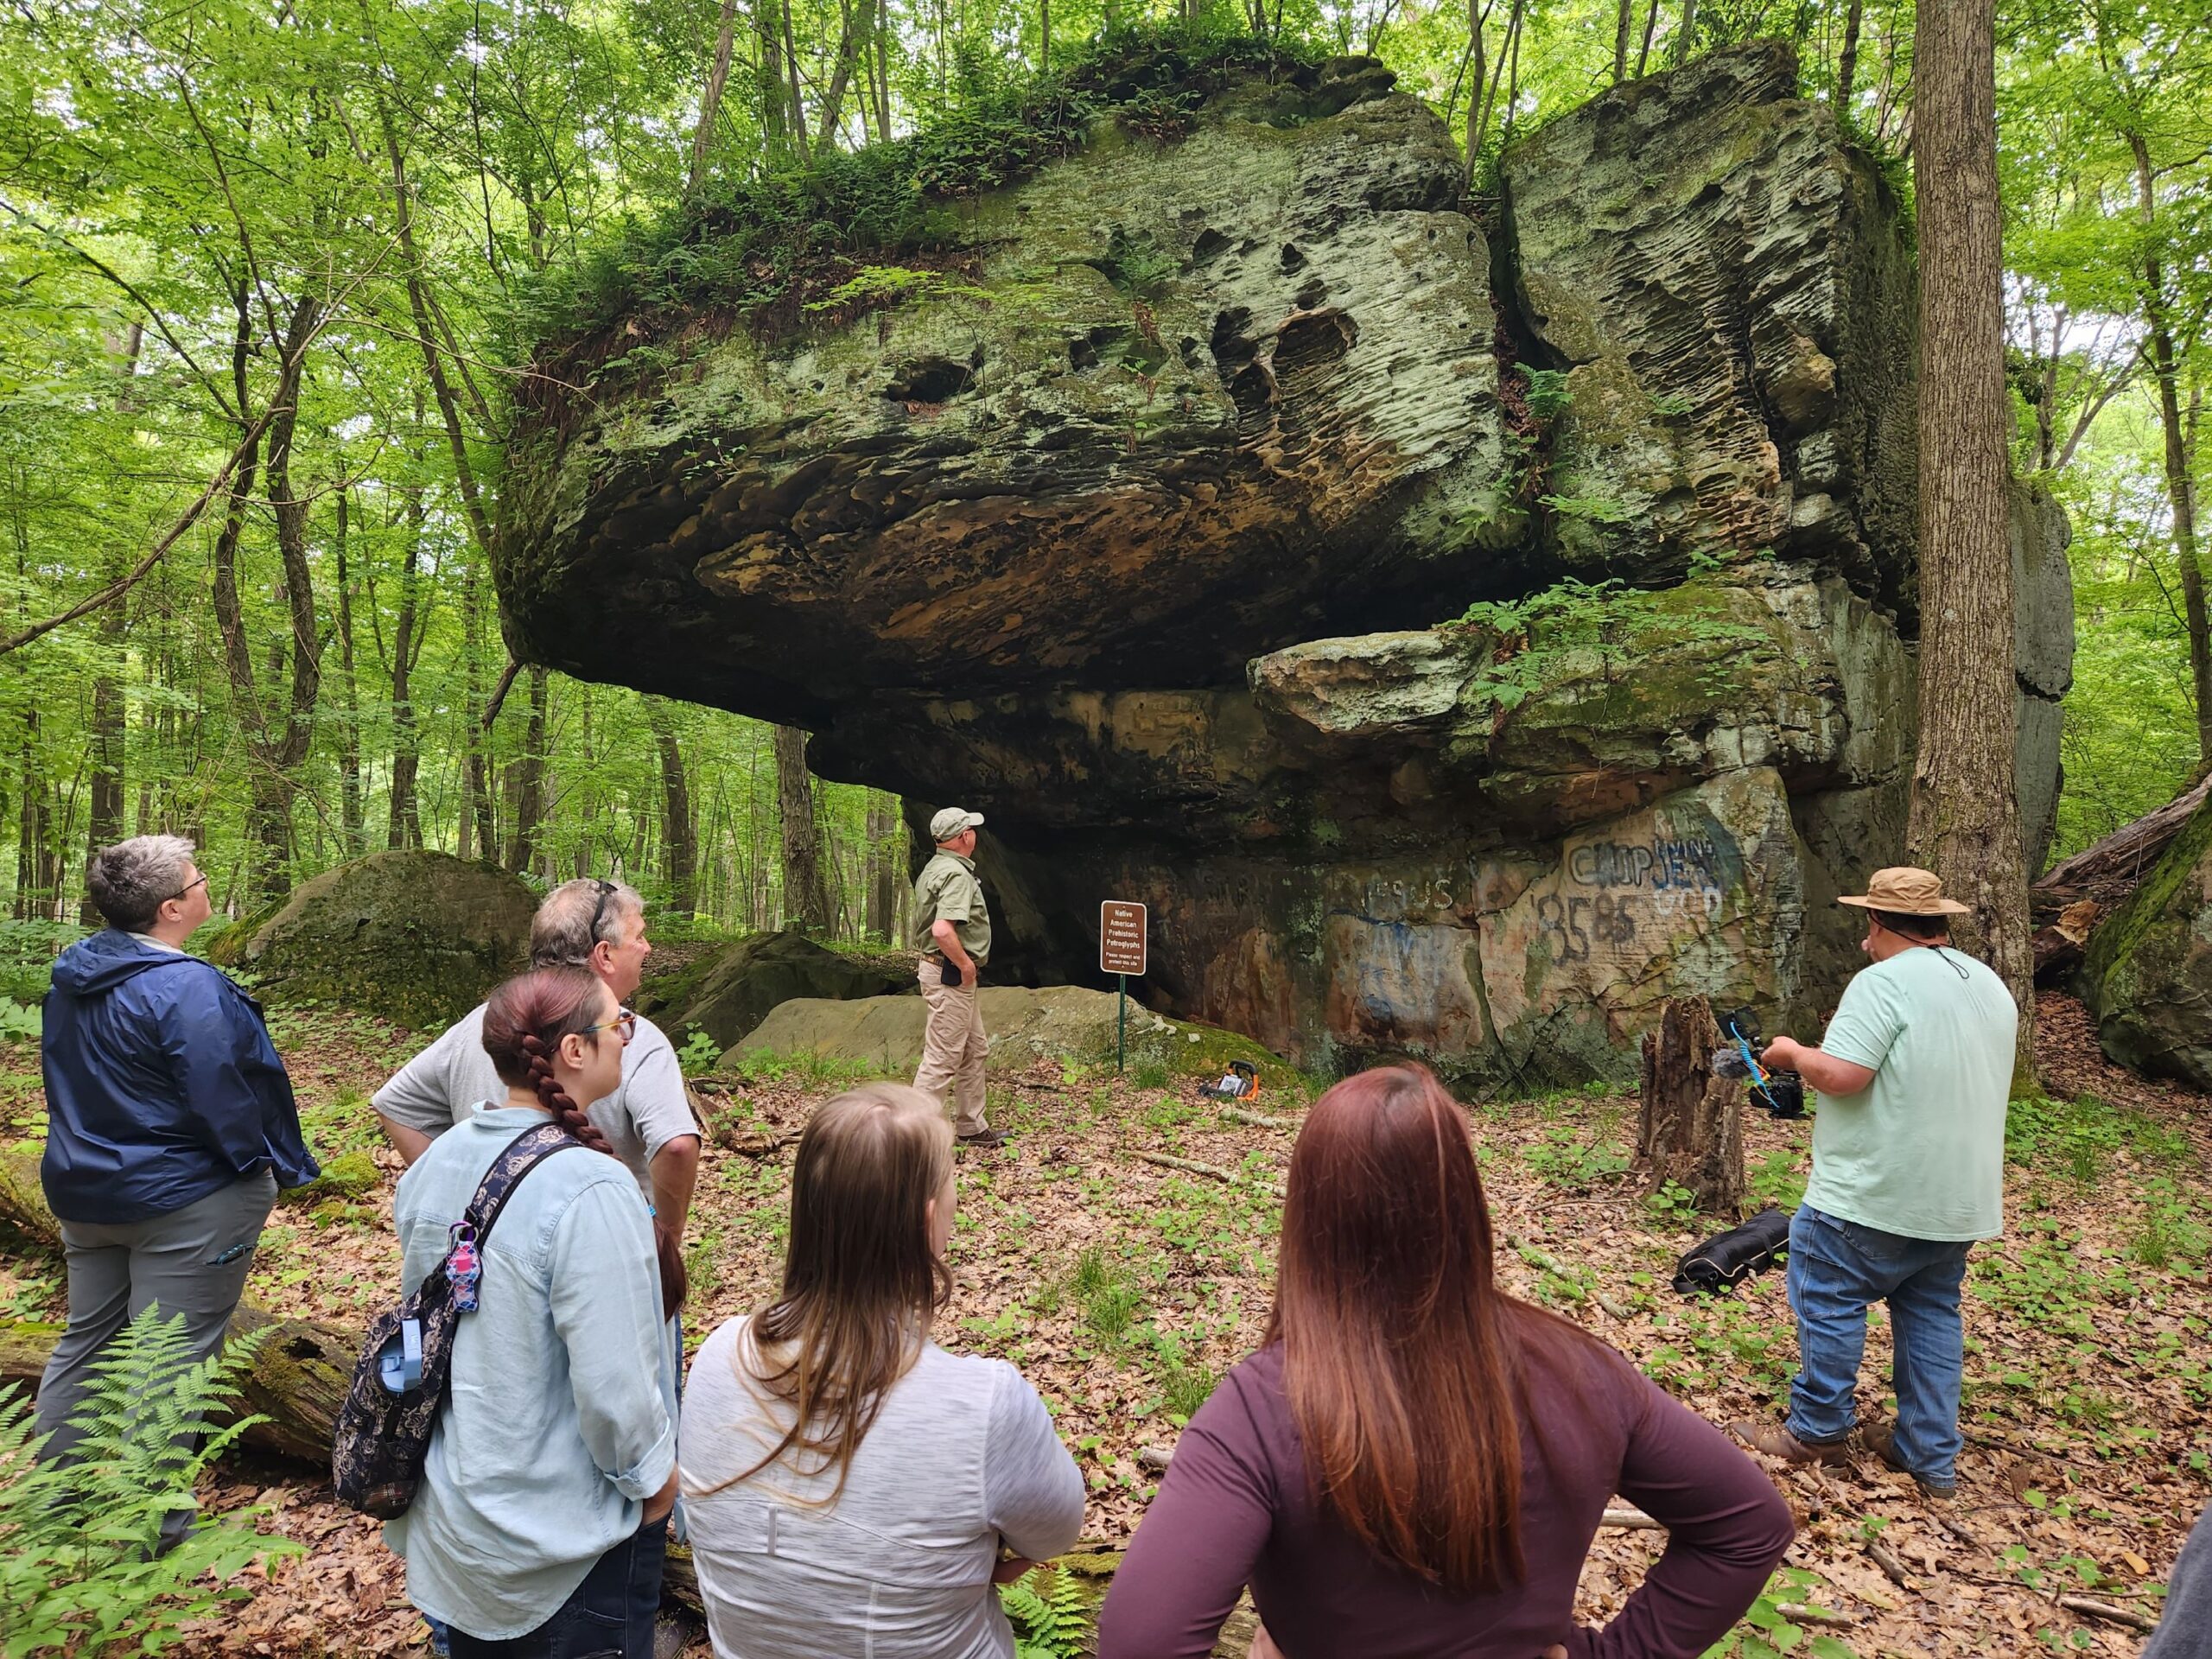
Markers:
<point>1837,1269</point>
<point>609,1616</point>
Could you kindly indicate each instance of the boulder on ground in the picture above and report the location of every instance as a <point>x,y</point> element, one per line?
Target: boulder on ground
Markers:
<point>416,937</point>
<point>2148,978</point>
<point>1023,1023</point>
<point>730,990</point>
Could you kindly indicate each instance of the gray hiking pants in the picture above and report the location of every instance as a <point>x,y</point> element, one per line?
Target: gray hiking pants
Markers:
<point>193,1262</point>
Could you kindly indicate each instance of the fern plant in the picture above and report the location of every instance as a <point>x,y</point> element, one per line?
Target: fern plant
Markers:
<point>81,1571</point>
<point>1050,1613</point>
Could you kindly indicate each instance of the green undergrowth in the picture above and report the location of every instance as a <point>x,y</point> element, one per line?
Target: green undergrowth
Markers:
<point>1697,633</point>
<point>772,248</point>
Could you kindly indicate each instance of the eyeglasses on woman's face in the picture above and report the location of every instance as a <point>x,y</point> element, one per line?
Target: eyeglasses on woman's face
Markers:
<point>201,881</point>
<point>625,1020</point>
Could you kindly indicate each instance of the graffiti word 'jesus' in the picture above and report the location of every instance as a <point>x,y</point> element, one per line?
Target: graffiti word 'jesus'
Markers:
<point>1660,865</point>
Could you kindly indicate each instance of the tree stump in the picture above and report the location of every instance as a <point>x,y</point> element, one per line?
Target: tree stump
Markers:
<point>1690,1127</point>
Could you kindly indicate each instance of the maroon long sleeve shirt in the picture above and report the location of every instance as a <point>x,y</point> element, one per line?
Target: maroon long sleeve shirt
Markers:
<point>1236,1507</point>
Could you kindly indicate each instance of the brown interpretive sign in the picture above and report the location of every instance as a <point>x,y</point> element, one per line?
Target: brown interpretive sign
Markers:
<point>1122,936</point>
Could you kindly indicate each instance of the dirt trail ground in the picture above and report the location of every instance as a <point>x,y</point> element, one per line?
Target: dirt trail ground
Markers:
<point>1122,1288</point>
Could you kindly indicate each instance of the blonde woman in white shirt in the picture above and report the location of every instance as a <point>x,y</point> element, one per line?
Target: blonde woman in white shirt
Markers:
<point>850,1484</point>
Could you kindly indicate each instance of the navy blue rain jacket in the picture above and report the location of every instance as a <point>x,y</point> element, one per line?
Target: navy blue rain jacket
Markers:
<point>162,1085</point>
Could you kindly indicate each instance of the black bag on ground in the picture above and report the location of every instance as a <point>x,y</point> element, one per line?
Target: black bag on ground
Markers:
<point>383,1433</point>
<point>1723,1262</point>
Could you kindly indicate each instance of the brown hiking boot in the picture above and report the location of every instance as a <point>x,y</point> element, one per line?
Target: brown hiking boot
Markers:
<point>1778,1442</point>
<point>1881,1439</point>
<point>982,1140</point>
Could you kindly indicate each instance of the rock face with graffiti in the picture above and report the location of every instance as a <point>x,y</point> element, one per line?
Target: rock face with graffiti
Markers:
<point>1463,629</point>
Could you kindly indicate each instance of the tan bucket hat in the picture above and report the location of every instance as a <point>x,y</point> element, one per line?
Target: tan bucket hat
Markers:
<point>1904,891</point>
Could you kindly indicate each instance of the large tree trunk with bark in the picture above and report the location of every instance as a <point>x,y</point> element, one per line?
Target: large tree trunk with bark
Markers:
<point>883,866</point>
<point>1690,1124</point>
<point>679,836</point>
<point>806,890</point>
<point>103,822</point>
<point>1964,822</point>
<point>352,826</point>
<point>2160,348</point>
<point>299,1374</point>
<point>529,777</point>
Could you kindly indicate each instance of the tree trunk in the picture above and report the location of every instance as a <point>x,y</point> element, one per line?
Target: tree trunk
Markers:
<point>1683,32</point>
<point>263,815</point>
<point>679,836</point>
<point>474,739</point>
<point>103,822</point>
<point>2181,489</point>
<point>1624,30</point>
<point>30,824</point>
<point>352,824</point>
<point>1964,822</point>
<point>1690,1124</point>
<point>768,95</point>
<point>806,893</point>
<point>529,775</point>
<point>403,821</point>
<point>710,106</point>
<point>1846,64</point>
<point>882,866</point>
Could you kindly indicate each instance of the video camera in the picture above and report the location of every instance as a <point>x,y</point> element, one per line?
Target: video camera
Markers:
<point>1783,1093</point>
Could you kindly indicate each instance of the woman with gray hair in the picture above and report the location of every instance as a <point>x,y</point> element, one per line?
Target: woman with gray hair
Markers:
<point>170,1122</point>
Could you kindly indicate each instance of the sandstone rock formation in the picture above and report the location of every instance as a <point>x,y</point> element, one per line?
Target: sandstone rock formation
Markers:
<point>416,936</point>
<point>2150,964</point>
<point>1024,1023</point>
<point>731,991</point>
<point>1464,634</point>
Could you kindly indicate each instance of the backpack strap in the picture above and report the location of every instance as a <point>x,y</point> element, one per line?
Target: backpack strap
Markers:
<point>521,1155</point>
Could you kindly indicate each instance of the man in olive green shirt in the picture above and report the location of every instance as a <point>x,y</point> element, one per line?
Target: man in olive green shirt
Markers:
<point>952,929</point>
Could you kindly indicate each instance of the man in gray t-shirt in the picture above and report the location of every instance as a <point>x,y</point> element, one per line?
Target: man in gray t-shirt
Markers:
<point>648,1121</point>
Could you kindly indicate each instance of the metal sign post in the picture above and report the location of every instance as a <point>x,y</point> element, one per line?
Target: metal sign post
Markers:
<point>1124,937</point>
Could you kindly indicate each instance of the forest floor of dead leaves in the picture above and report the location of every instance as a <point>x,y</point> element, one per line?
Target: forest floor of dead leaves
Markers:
<point>1123,1288</point>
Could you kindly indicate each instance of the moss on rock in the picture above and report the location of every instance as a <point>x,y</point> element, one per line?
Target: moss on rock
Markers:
<point>416,936</point>
<point>2148,978</point>
<point>347,1175</point>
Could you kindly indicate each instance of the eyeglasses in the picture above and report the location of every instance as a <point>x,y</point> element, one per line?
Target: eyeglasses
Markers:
<point>625,1020</point>
<point>187,887</point>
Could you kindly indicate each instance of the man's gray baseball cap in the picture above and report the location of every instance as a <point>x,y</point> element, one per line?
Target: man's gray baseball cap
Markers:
<point>950,821</point>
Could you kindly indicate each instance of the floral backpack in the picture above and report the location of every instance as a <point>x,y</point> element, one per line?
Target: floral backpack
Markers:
<point>399,1385</point>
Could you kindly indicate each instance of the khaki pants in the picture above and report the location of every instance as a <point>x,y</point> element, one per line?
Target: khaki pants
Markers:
<point>953,1046</point>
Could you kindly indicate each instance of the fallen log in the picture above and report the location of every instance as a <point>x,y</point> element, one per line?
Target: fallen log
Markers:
<point>2105,1610</point>
<point>1192,1167</point>
<point>2060,944</point>
<point>2108,870</point>
<point>1257,1120</point>
<point>296,1381</point>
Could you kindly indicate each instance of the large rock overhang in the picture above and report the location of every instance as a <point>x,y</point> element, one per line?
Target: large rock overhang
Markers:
<point>1146,537</point>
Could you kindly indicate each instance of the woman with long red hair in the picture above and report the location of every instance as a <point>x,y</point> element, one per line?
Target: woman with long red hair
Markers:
<point>1415,1463</point>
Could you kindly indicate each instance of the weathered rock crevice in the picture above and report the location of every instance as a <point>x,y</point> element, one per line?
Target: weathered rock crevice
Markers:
<point>1147,539</point>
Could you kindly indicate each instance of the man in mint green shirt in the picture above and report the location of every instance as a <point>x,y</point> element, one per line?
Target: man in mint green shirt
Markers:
<point>1908,1171</point>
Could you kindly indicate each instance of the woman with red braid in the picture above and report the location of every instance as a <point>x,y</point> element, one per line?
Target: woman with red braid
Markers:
<point>540,1528</point>
<point>1414,1465</point>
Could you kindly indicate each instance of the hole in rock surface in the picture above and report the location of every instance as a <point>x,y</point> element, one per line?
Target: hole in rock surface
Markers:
<point>1293,260</point>
<point>1209,245</point>
<point>1231,344</point>
<point>929,380</point>
<point>1309,342</point>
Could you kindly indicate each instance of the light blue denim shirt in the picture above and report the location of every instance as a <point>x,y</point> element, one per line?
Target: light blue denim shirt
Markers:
<point>556,1427</point>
